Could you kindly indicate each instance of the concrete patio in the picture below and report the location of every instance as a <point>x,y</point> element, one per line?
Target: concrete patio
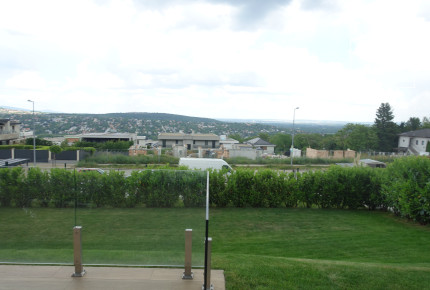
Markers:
<point>59,277</point>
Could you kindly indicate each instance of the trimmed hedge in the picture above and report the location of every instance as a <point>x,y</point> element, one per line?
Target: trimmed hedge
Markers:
<point>403,187</point>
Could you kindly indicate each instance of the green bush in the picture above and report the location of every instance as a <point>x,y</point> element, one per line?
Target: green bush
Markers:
<point>112,158</point>
<point>218,195</point>
<point>403,187</point>
<point>12,187</point>
<point>407,188</point>
<point>240,187</point>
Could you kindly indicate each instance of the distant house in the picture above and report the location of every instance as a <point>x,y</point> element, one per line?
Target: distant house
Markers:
<point>259,143</point>
<point>9,131</point>
<point>102,137</point>
<point>190,141</point>
<point>414,142</point>
<point>227,143</point>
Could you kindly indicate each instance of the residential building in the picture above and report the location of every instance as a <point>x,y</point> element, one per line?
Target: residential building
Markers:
<point>9,131</point>
<point>414,142</point>
<point>227,143</point>
<point>190,141</point>
<point>258,143</point>
<point>103,137</point>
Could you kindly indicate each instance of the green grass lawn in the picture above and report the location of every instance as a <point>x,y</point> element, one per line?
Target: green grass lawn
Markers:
<point>258,248</point>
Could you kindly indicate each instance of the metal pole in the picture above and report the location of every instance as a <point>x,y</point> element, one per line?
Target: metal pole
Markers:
<point>292,142</point>
<point>208,285</point>
<point>34,137</point>
<point>207,230</point>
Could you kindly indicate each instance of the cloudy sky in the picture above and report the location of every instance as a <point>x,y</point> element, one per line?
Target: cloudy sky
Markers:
<point>336,60</point>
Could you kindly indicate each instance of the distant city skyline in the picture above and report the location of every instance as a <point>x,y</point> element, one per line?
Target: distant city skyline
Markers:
<point>336,60</point>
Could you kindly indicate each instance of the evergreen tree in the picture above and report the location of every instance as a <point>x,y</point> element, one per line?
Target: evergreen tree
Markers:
<point>385,128</point>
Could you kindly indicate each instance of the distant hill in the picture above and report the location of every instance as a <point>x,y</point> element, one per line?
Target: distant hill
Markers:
<point>161,116</point>
<point>151,124</point>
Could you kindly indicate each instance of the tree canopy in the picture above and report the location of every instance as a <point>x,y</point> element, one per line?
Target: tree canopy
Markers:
<point>386,130</point>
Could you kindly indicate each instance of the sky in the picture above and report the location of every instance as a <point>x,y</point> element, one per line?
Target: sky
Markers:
<point>243,59</point>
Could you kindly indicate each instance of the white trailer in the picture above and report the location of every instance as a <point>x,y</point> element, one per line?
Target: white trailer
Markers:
<point>204,163</point>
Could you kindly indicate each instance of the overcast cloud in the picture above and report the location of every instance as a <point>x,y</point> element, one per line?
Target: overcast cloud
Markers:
<point>336,60</point>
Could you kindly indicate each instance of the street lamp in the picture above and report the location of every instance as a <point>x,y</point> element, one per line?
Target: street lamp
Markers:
<point>34,136</point>
<point>292,142</point>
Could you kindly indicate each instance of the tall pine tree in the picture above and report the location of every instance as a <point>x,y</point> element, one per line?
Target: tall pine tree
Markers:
<point>385,128</point>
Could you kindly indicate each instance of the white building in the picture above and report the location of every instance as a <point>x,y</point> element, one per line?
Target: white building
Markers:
<point>9,131</point>
<point>414,142</point>
<point>227,143</point>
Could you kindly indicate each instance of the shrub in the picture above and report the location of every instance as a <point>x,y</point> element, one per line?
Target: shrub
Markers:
<point>407,188</point>
<point>218,194</point>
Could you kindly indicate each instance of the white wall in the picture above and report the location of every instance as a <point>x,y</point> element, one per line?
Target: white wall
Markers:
<point>419,144</point>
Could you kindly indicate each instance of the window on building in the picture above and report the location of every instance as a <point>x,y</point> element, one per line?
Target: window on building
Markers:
<point>422,142</point>
<point>416,142</point>
<point>176,141</point>
<point>206,142</point>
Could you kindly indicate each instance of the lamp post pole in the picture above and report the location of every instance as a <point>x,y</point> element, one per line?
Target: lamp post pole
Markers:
<point>292,141</point>
<point>34,137</point>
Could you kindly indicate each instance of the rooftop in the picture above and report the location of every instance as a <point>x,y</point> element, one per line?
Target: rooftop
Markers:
<point>423,133</point>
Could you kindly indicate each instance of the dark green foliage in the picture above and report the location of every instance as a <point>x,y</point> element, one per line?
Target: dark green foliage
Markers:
<point>16,146</point>
<point>385,128</point>
<point>11,186</point>
<point>407,188</point>
<point>240,187</point>
<point>62,188</point>
<point>111,158</point>
<point>218,188</point>
<point>39,142</point>
<point>404,188</point>
<point>109,145</point>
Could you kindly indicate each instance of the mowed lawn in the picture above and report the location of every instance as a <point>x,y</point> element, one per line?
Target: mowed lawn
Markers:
<point>258,248</point>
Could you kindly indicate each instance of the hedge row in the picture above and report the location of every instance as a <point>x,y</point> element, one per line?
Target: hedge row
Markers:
<point>404,188</point>
<point>335,188</point>
<point>64,188</point>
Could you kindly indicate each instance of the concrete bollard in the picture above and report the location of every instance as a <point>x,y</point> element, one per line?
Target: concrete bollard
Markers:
<point>188,253</point>
<point>77,251</point>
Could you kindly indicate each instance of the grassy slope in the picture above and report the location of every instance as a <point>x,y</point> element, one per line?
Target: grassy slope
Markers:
<point>257,248</point>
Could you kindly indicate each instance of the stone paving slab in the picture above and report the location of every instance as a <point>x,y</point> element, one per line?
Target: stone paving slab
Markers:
<point>106,278</point>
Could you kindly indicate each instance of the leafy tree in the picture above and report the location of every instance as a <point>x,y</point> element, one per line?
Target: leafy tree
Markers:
<point>39,142</point>
<point>109,145</point>
<point>385,128</point>
<point>412,124</point>
<point>64,144</point>
<point>282,142</point>
<point>357,137</point>
<point>55,149</point>
<point>303,141</point>
<point>265,136</point>
<point>237,137</point>
<point>329,142</point>
<point>426,123</point>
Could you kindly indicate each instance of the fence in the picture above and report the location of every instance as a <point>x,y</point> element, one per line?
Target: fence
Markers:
<point>142,224</point>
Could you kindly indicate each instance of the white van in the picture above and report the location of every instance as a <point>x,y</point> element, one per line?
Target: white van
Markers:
<point>204,163</point>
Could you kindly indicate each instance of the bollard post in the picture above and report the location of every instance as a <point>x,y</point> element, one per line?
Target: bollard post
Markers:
<point>188,253</point>
<point>77,251</point>
<point>208,285</point>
